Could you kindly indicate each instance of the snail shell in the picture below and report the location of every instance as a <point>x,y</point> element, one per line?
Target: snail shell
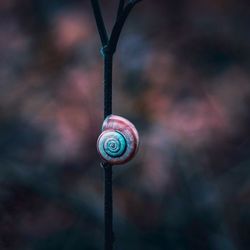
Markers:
<point>119,141</point>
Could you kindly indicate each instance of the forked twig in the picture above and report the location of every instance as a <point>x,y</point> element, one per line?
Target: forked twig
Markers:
<point>108,49</point>
<point>110,44</point>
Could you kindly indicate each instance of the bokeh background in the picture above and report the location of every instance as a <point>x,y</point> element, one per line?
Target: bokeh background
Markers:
<point>181,75</point>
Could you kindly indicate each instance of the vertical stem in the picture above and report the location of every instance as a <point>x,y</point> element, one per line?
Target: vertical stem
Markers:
<point>108,205</point>
<point>108,196</point>
<point>109,47</point>
<point>108,65</point>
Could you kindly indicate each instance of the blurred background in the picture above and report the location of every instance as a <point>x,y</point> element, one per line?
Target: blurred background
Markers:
<point>181,75</point>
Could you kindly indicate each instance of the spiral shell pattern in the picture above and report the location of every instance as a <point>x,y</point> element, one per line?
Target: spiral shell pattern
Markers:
<point>119,141</point>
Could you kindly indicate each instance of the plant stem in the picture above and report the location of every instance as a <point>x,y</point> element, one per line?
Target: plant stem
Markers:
<point>108,50</point>
<point>108,207</point>
<point>99,22</point>
<point>108,197</point>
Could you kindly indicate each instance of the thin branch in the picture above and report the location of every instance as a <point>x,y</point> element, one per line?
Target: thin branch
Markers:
<point>120,9</point>
<point>99,22</point>
<point>119,25</point>
<point>135,1</point>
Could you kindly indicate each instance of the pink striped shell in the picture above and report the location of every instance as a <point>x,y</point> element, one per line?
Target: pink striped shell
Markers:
<point>119,141</point>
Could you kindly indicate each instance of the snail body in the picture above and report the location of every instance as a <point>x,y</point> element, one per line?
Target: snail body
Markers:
<point>119,140</point>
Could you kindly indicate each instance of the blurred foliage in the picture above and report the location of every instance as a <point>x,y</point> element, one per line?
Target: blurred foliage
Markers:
<point>181,74</point>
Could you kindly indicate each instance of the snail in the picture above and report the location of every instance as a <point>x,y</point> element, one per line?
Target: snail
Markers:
<point>119,140</point>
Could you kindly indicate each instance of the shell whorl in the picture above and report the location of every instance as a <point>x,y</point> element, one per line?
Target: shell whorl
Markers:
<point>119,141</point>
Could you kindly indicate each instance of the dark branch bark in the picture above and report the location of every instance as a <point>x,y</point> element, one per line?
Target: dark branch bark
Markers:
<point>119,25</point>
<point>120,9</point>
<point>136,1</point>
<point>108,50</point>
<point>122,14</point>
<point>99,22</point>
